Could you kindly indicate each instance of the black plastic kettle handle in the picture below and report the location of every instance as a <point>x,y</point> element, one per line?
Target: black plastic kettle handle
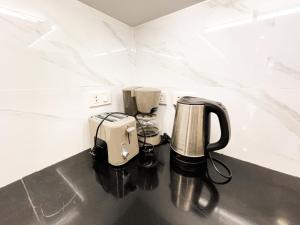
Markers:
<point>221,112</point>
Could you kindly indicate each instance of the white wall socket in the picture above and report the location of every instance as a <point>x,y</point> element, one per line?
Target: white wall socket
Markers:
<point>99,98</point>
<point>163,98</point>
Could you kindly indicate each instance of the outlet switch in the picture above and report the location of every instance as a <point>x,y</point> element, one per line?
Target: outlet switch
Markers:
<point>163,98</point>
<point>99,98</point>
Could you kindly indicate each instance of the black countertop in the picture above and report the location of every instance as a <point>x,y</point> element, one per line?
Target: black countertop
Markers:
<point>149,191</point>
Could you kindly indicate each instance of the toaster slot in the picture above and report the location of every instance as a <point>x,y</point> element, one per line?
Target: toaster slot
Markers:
<point>111,118</point>
<point>107,119</point>
<point>118,116</point>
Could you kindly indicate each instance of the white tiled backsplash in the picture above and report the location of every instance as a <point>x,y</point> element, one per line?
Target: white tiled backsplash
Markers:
<point>54,53</point>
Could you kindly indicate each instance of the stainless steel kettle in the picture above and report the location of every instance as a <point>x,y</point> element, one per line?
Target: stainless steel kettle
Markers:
<point>191,129</point>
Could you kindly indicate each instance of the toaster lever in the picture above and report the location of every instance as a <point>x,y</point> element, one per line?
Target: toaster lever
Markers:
<point>129,130</point>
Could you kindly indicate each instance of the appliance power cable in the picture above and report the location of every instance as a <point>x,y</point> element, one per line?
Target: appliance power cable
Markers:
<point>212,160</point>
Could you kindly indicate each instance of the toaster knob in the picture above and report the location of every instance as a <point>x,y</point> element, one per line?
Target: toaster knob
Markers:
<point>130,129</point>
<point>124,153</point>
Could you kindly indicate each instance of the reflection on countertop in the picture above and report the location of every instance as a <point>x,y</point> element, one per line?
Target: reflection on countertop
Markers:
<point>141,173</point>
<point>150,190</point>
<point>193,191</point>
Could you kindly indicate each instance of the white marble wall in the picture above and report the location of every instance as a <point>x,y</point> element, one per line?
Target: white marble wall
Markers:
<point>244,53</point>
<point>52,54</point>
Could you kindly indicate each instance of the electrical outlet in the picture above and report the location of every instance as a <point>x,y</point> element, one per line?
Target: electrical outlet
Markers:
<point>163,98</point>
<point>99,98</point>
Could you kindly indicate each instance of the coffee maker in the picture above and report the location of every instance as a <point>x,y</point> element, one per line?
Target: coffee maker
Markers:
<point>142,102</point>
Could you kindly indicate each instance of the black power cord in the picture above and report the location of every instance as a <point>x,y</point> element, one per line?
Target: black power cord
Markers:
<point>229,173</point>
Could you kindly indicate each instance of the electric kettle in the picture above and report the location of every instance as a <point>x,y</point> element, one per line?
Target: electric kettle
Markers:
<point>191,129</point>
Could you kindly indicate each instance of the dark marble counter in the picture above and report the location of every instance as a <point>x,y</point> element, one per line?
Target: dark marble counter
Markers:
<point>149,191</point>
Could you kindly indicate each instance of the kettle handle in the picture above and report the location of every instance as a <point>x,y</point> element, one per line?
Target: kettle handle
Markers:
<point>221,112</point>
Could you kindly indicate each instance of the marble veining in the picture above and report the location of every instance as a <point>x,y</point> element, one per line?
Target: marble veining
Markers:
<point>31,114</point>
<point>241,53</point>
<point>126,45</point>
<point>24,28</point>
<point>281,67</point>
<point>233,4</point>
<point>288,117</point>
<point>180,59</point>
<point>49,65</point>
<point>76,63</point>
<point>115,34</point>
<point>283,113</point>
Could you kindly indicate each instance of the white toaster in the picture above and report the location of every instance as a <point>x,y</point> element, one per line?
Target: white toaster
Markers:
<point>120,135</point>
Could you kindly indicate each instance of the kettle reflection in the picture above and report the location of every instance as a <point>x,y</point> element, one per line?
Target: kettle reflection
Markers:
<point>140,173</point>
<point>192,191</point>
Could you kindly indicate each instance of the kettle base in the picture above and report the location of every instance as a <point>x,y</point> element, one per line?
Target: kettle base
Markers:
<point>188,160</point>
<point>188,164</point>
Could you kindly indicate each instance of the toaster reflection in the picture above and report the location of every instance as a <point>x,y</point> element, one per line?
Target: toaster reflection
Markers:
<point>141,173</point>
<point>192,190</point>
<point>118,181</point>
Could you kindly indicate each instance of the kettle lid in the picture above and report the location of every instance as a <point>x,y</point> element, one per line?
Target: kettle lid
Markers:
<point>189,100</point>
